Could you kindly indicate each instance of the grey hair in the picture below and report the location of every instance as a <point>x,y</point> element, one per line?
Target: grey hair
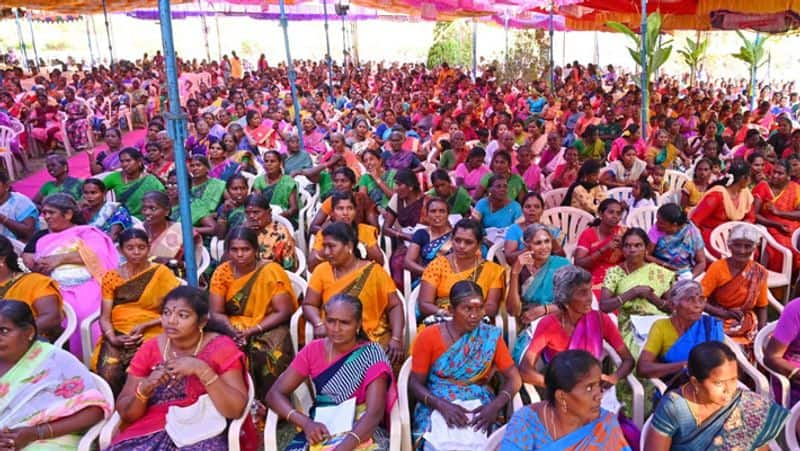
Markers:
<point>533,229</point>
<point>681,288</point>
<point>744,232</point>
<point>64,203</point>
<point>292,136</point>
<point>566,280</point>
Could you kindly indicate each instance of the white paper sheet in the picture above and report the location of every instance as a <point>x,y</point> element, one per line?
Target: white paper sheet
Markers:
<point>442,437</point>
<point>338,419</point>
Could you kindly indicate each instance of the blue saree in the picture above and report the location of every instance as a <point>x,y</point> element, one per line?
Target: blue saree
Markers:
<point>526,432</point>
<point>707,328</point>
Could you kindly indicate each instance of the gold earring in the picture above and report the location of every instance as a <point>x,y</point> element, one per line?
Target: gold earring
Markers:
<point>564,405</point>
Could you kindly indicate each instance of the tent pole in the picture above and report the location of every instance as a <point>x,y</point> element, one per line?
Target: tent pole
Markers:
<point>754,78</point>
<point>328,58</point>
<point>204,25</point>
<point>292,72</point>
<point>219,40</point>
<point>596,49</point>
<point>177,132</point>
<point>505,27</point>
<point>108,35</point>
<point>644,86</point>
<point>551,78</point>
<point>474,49</point>
<point>96,41</point>
<point>22,47</point>
<point>33,42</point>
<point>344,48</point>
<point>89,38</point>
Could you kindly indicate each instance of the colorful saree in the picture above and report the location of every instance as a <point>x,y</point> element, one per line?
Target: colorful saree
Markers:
<point>349,377</point>
<point>248,301</point>
<point>707,328</point>
<point>527,431</point>
<point>440,274</point>
<point>205,198</point>
<point>28,288</point>
<point>590,240</point>
<point>130,194</point>
<point>148,432</point>
<point>134,301</point>
<point>743,291</point>
<point>279,192</point>
<point>169,244</point>
<point>77,125</point>
<point>47,384</point>
<point>71,186</point>
<point>788,200</point>
<point>678,250</point>
<point>276,244</point>
<point>109,215</point>
<point>225,170</point>
<point>461,373</point>
<point>80,284</point>
<point>749,422</point>
<point>373,191</point>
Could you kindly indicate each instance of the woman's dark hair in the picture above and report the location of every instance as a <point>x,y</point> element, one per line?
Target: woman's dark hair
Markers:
<point>257,200</point>
<point>632,129</point>
<point>244,234</point>
<point>437,200</point>
<point>343,233</point>
<point>408,178</point>
<point>355,304</point>
<point>372,152</point>
<point>9,255</point>
<point>627,149</point>
<point>63,203</point>
<point>645,189</point>
<point>672,213</point>
<point>202,159</point>
<point>604,205</point>
<point>464,290</point>
<point>704,357</point>
<point>345,171</point>
<point>113,130</point>
<point>502,154</point>
<point>337,197</point>
<point>566,370</point>
<point>636,231</point>
<point>233,178</point>
<point>198,302</point>
<point>133,153</point>
<point>132,234</point>
<point>96,182</point>
<point>738,170</point>
<point>588,167</point>
<point>471,225</point>
<point>440,175</point>
<point>58,158</point>
<point>476,152</point>
<point>250,115</point>
<point>274,153</point>
<point>753,156</point>
<point>531,194</point>
<point>494,179</point>
<point>159,197</point>
<point>784,163</point>
<point>152,145</point>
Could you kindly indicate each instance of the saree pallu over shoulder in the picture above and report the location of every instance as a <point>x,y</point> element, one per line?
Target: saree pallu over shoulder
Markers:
<point>28,287</point>
<point>742,292</point>
<point>707,328</point>
<point>205,198</point>
<point>526,431</point>
<point>138,300</point>
<point>131,194</point>
<point>248,299</point>
<point>95,248</point>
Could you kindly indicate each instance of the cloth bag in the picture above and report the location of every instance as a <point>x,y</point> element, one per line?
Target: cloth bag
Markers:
<point>194,423</point>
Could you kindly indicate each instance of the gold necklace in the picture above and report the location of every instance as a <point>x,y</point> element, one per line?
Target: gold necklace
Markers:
<point>196,349</point>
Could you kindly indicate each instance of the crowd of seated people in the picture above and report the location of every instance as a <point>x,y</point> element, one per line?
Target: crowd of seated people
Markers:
<point>453,248</point>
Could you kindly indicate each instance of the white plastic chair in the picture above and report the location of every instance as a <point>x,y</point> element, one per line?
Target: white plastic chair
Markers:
<point>411,314</point>
<point>645,429</point>
<point>675,180</point>
<point>719,242</point>
<point>87,344</point>
<point>495,439</point>
<point>404,401</point>
<point>283,221</point>
<point>642,217</point>
<point>204,261</point>
<point>796,240</point>
<point>93,433</point>
<point>216,248</point>
<point>302,265</point>
<point>496,253</point>
<point>250,179</point>
<point>137,223</point>
<point>759,346</point>
<point>6,136</point>
<point>553,198</point>
<point>69,329</point>
<point>669,197</point>
<point>622,194</point>
<point>790,431</point>
<point>571,221</point>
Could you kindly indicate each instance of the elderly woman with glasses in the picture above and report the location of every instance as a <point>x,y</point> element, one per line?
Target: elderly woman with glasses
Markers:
<point>736,287</point>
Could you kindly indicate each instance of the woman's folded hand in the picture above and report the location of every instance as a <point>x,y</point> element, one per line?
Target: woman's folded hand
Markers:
<point>454,415</point>
<point>485,416</point>
<point>316,432</point>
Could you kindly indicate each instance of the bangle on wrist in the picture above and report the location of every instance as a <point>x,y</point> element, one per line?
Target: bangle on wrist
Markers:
<point>396,339</point>
<point>319,324</point>
<point>139,395</point>
<point>355,436</point>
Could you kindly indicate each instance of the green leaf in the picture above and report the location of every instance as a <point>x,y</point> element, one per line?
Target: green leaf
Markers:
<point>636,55</point>
<point>621,28</point>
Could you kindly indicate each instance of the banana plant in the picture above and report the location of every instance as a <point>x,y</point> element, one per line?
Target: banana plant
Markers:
<point>693,54</point>
<point>657,52</point>
<point>752,53</point>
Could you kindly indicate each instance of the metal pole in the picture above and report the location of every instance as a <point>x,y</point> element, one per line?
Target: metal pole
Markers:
<point>108,35</point>
<point>292,72</point>
<point>96,41</point>
<point>552,43</point>
<point>505,26</point>
<point>204,25</point>
<point>474,49</point>
<point>33,42</point>
<point>22,47</point>
<point>344,48</point>
<point>177,132</point>
<point>89,38</point>
<point>596,49</point>
<point>644,70</point>
<point>219,40</point>
<point>328,58</point>
<point>754,77</point>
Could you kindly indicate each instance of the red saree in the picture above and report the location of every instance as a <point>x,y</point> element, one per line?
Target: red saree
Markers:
<point>785,201</point>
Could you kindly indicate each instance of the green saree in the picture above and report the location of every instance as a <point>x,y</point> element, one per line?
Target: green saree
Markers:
<point>279,192</point>
<point>130,194</point>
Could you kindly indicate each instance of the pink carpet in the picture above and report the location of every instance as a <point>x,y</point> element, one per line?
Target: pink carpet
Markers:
<point>78,166</point>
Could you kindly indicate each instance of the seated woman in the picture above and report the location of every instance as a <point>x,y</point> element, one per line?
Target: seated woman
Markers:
<point>230,213</point>
<point>782,355</point>
<point>693,189</point>
<point>75,256</point>
<point>532,209</point>
<point>254,300</point>
<point>531,286</point>
<point>58,168</point>
<point>110,217</point>
<point>156,163</point>
<point>451,365</point>
<point>275,243</point>
<point>573,325</point>
<point>600,246</point>
<point>176,368</point>
<point>469,174</point>
<point>278,188</point>
<point>402,216</point>
<point>40,292</point>
<point>663,153</point>
<point>501,167</point>
<point>635,287</point>
<point>728,199</point>
<point>736,287</point>
<point>344,365</point>
<point>50,399</point>
<point>376,182</point>
<point>132,182</point>
<point>464,262</point>
<point>710,409</point>
<point>344,181</point>
<point>343,209</point>
<point>458,199</point>
<point>18,214</point>
<point>566,173</point>
<point>205,195</point>
<point>166,238</point>
<point>571,418</point>
<point>129,313</point>
<point>625,171</point>
<point>222,167</point>
<point>666,352</point>
<point>497,210</point>
<point>586,193</point>
<point>677,244</point>
<point>343,271</point>
<point>429,242</point>
<point>776,204</point>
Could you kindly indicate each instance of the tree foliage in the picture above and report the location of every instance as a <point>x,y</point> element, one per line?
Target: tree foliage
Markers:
<point>527,55</point>
<point>452,43</point>
<point>752,53</point>
<point>657,52</point>
<point>693,53</point>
